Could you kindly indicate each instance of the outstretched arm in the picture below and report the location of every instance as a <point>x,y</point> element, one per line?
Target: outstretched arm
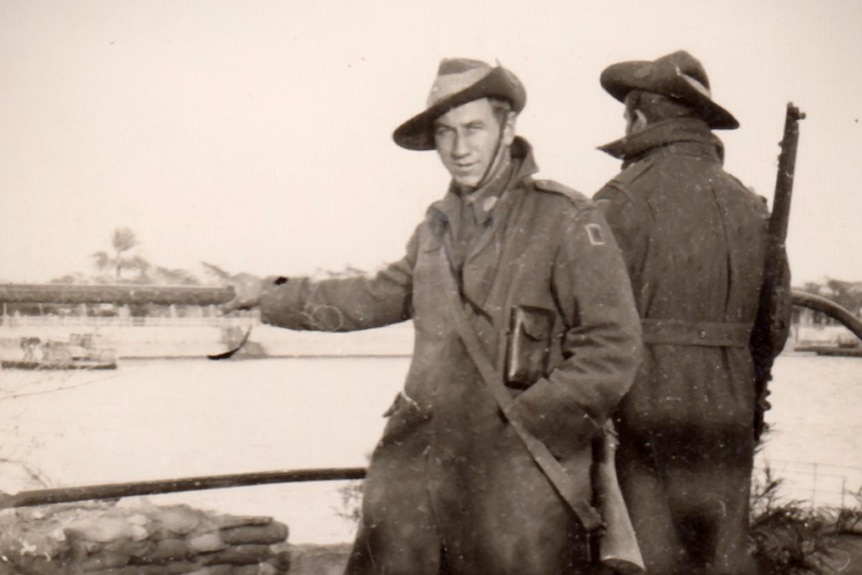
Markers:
<point>343,304</point>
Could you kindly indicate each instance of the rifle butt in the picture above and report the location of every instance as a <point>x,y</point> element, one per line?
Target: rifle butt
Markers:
<point>618,547</point>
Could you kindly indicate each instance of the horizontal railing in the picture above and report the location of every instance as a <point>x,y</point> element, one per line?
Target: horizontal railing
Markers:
<point>116,321</point>
<point>137,488</point>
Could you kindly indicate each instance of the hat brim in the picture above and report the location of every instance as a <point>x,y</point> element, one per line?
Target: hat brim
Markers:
<point>620,79</point>
<point>417,132</point>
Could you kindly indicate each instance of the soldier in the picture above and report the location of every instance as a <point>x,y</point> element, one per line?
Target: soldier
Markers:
<point>695,241</point>
<point>505,275</point>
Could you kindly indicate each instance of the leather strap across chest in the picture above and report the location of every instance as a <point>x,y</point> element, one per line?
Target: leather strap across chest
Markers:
<point>493,380</point>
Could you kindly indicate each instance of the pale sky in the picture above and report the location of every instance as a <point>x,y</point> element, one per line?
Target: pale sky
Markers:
<point>256,135</point>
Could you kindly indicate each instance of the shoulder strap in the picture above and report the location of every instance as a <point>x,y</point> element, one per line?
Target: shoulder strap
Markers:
<point>561,482</point>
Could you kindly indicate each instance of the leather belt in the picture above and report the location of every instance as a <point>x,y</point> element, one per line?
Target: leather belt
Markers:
<point>703,333</point>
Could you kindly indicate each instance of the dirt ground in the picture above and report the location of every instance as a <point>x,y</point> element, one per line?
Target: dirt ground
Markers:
<point>846,557</point>
<point>318,559</point>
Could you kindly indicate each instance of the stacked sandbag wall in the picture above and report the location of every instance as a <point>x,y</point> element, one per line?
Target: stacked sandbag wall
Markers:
<point>139,539</point>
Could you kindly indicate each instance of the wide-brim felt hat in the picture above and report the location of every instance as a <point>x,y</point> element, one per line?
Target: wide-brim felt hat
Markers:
<point>458,81</point>
<point>678,75</point>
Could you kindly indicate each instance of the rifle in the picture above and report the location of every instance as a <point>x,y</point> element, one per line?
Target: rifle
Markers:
<point>772,325</point>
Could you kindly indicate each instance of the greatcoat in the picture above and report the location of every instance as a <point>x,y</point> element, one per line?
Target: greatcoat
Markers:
<point>694,240</point>
<point>450,487</point>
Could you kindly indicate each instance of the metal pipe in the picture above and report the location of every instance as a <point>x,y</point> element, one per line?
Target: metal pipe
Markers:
<point>830,308</point>
<point>135,488</point>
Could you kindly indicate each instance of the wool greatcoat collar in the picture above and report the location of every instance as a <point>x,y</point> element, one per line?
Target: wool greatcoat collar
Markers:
<point>447,211</point>
<point>475,262</point>
<point>635,146</point>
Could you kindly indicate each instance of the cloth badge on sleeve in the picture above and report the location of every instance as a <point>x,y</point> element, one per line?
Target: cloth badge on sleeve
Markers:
<point>594,232</point>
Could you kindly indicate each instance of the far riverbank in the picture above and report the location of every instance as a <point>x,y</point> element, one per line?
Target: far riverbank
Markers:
<point>172,337</point>
<point>166,338</point>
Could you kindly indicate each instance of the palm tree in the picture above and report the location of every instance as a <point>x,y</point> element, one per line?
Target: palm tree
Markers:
<point>123,240</point>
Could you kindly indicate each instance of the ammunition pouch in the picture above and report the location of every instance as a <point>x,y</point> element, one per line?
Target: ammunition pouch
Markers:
<point>529,345</point>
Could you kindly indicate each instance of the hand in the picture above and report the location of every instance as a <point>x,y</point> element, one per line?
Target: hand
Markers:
<point>247,289</point>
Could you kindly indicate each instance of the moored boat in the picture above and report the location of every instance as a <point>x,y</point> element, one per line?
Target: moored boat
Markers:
<point>838,351</point>
<point>79,352</point>
<point>55,365</point>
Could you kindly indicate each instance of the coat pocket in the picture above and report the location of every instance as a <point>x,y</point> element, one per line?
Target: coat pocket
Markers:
<point>405,416</point>
<point>529,346</point>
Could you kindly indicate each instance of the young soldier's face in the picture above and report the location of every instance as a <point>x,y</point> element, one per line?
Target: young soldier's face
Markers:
<point>468,138</point>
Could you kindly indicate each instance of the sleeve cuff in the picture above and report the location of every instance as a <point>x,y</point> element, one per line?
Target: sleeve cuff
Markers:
<point>563,426</point>
<point>281,302</point>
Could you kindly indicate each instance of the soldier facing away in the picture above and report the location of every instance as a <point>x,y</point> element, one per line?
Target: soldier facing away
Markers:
<point>528,271</point>
<point>695,243</point>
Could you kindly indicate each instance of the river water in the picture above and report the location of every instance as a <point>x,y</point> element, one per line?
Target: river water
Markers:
<point>157,419</point>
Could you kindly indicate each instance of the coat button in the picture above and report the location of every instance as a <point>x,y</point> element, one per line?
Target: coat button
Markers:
<point>701,334</point>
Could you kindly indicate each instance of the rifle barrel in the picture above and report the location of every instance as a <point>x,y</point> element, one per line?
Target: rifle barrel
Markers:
<point>779,221</point>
